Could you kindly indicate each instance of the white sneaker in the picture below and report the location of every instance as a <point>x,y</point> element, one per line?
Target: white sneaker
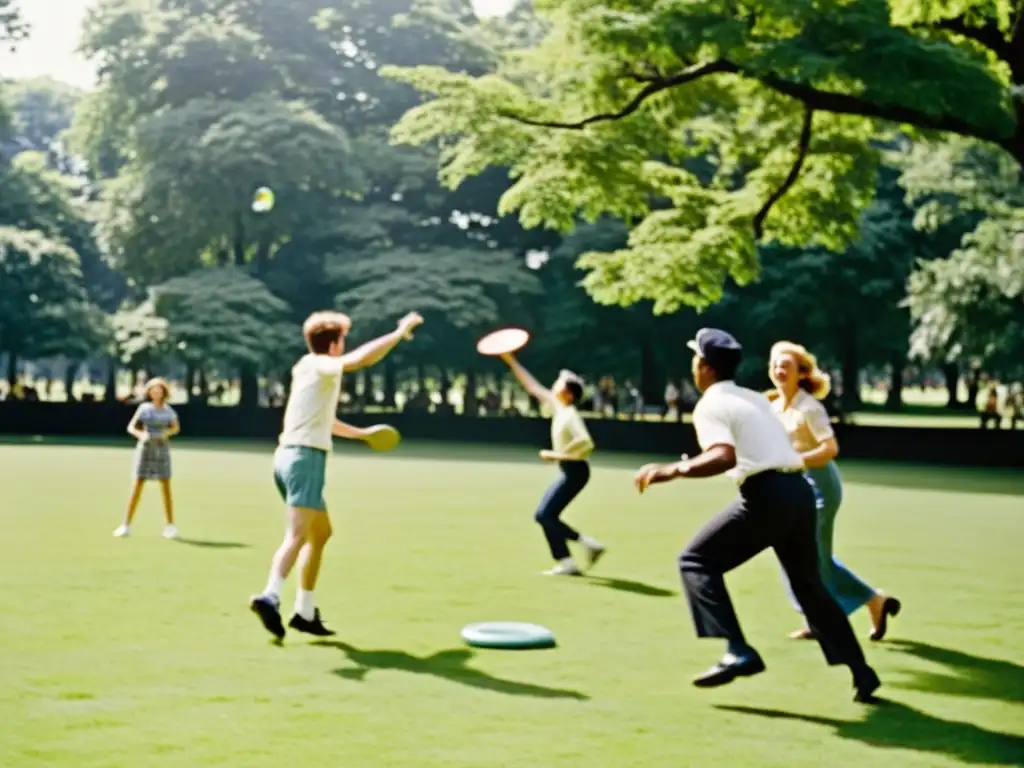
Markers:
<point>122,531</point>
<point>594,552</point>
<point>564,569</point>
<point>170,532</point>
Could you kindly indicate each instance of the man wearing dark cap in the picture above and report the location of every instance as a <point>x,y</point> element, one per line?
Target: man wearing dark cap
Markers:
<point>740,437</point>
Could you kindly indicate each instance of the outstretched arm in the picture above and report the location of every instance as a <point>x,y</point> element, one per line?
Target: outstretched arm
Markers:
<point>525,378</point>
<point>347,431</point>
<point>373,352</point>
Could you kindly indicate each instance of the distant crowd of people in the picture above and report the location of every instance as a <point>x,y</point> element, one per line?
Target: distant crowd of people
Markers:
<point>998,405</point>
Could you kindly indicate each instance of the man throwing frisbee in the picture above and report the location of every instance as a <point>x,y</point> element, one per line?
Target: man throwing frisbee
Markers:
<point>300,462</point>
<point>571,447</point>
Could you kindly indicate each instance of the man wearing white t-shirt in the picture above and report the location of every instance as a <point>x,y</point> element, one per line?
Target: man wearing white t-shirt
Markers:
<point>740,437</point>
<point>300,462</point>
<point>571,446</point>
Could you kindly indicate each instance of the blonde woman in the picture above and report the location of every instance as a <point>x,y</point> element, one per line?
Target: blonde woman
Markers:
<point>153,425</point>
<point>799,388</point>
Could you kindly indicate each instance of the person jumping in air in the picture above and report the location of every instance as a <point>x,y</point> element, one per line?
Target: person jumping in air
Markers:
<point>300,462</point>
<point>571,446</point>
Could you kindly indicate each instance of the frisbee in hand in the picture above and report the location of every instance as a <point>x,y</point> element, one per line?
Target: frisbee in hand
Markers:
<point>382,437</point>
<point>503,342</point>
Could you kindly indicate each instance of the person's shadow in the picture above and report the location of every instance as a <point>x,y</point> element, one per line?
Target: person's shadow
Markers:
<point>627,585</point>
<point>892,725</point>
<point>448,665</point>
<point>207,544</point>
<point>966,675</point>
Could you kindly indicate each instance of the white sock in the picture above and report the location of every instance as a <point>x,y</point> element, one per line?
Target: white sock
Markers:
<point>590,543</point>
<point>274,584</point>
<point>567,562</point>
<point>304,605</point>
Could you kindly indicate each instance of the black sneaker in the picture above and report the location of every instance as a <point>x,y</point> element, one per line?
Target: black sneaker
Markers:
<point>311,627</point>
<point>267,608</point>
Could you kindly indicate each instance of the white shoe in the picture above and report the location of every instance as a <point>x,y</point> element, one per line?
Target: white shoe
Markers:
<point>122,531</point>
<point>564,569</point>
<point>594,552</point>
<point>170,532</point>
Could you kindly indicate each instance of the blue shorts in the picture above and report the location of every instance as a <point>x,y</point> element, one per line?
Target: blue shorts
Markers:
<point>300,473</point>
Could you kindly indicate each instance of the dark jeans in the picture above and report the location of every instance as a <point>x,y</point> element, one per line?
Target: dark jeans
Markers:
<point>774,510</point>
<point>572,479</point>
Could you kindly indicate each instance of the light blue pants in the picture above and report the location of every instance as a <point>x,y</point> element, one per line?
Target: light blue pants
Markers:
<point>843,584</point>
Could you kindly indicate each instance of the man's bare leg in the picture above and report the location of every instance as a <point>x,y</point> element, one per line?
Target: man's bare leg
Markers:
<point>307,616</point>
<point>267,604</point>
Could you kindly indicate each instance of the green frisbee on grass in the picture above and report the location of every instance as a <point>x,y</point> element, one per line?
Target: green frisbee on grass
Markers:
<point>510,635</point>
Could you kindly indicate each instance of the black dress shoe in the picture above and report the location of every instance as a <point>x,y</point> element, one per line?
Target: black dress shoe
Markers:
<point>312,626</point>
<point>267,609</point>
<point>865,683</point>
<point>729,668</point>
<point>890,607</point>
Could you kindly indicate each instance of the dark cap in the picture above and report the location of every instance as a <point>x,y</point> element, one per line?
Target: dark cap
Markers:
<point>719,348</point>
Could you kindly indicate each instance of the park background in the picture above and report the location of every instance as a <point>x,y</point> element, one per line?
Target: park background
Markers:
<point>846,175</point>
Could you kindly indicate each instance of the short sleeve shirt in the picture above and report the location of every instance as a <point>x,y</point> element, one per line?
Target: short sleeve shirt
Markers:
<point>806,421</point>
<point>312,402</point>
<point>155,420</point>
<point>728,414</point>
<point>568,427</point>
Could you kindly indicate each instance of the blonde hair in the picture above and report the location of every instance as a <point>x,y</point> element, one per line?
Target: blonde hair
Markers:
<point>322,329</point>
<point>158,381</point>
<point>813,380</point>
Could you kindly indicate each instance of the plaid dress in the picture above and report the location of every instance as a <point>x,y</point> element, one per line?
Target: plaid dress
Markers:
<point>153,457</point>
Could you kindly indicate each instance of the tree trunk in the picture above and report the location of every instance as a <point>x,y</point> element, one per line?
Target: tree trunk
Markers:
<point>389,383</point>
<point>250,387</point>
<point>951,372</point>
<point>203,384</point>
<point>851,372</point>
<point>12,369</point>
<point>895,399</point>
<point>470,406</point>
<point>70,374</point>
<point>648,373</point>
<point>238,247</point>
<point>190,381</point>
<point>262,257</point>
<point>110,390</point>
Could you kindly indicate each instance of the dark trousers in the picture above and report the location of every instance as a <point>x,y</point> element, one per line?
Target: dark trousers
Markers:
<point>572,478</point>
<point>774,510</point>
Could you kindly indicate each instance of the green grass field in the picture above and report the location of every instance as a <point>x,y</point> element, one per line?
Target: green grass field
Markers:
<point>141,652</point>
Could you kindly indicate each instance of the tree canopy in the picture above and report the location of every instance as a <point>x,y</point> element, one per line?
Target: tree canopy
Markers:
<point>784,105</point>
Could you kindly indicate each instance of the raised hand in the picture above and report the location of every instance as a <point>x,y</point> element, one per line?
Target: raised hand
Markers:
<point>409,323</point>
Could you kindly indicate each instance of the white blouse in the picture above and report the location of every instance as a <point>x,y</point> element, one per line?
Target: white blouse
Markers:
<point>806,421</point>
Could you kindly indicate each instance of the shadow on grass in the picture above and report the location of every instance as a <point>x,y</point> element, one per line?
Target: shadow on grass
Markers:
<point>212,544</point>
<point>891,725</point>
<point>627,585</point>
<point>969,676</point>
<point>448,665</point>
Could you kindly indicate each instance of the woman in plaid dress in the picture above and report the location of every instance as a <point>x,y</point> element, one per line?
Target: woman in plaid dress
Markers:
<point>153,424</point>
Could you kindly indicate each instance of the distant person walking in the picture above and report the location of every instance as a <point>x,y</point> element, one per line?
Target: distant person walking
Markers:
<point>153,425</point>
<point>740,437</point>
<point>799,387</point>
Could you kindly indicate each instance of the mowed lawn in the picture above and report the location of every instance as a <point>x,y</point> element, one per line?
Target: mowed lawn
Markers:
<point>141,652</point>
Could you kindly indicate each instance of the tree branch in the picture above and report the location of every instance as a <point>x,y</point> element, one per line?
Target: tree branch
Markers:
<point>848,104</point>
<point>803,145</point>
<point>656,85</point>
